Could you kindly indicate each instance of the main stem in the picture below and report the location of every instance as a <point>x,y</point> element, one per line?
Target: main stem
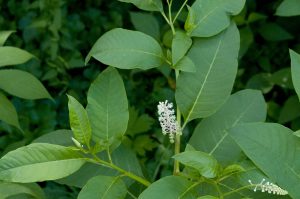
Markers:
<point>124,172</point>
<point>177,137</point>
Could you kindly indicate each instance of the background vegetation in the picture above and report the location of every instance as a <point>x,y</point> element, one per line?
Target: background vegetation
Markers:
<point>60,34</point>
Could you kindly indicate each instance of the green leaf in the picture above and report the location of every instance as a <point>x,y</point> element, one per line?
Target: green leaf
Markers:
<point>146,23</point>
<point>122,157</point>
<point>127,49</point>
<point>4,35</point>
<point>288,8</point>
<point>207,197</point>
<point>181,43</point>
<point>295,65</point>
<point>108,108</point>
<point>79,121</point>
<point>268,29</point>
<point>290,110</point>
<point>13,56</point>
<point>149,5</point>
<point>232,169</point>
<point>8,189</point>
<point>210,17</point>
<point>104,187</point>
<point>39,162</point>
<point>202,162</point>
<point>138,123</point>
<point>8,112</point>
<point>58,137</point>
<point>211,134</point>
<point>170,187</point>
<point>22,84</point>
<point>282,78</point>
<point>200,94</point>
<point>273,149</point>
<point>186,65</point>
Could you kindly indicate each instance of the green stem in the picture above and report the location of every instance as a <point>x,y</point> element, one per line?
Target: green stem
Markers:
<point>221,196</point>
<point>179,11</point>
<point>124,172</point>
<point>177,137</point>
<point>237,190</point>
<point>170,16</point>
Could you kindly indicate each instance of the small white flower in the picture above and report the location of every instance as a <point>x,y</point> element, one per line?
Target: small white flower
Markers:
<point>167,120</point>
<point>269,188</point>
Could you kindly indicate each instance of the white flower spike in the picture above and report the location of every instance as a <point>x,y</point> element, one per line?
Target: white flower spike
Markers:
<point>167,120</point>
<point>269,188</point>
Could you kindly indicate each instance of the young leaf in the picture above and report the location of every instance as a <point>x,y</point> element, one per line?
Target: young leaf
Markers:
<point>104,187</point>
<point>146,23</point>
<point>8,112</point>
<point>79,121</point>
<point>288,8</point>
<point>180,45</point>
<point>4,35</point>
<point>22,84</point>
<point>108,108</point>
<point>202,162</point>
<point>8,190</point>
<point>210,17</point>
<point>39,162</point>
<point>295,64</point>
<point>273,149</point>
<point>149,5</point>
<point>211,134</point>
<point>170,187</point>
<point>13,56</point>
<point>200,94</point>
<point>127,49</point>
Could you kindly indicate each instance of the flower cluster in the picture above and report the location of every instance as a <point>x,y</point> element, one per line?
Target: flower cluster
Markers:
<point>269,188</point>
<point>167,120</point>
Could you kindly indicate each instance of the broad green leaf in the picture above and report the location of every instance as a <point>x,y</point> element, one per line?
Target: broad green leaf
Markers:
<point>211,134</point>
<point>4,35</point>
<point>247,39</point>
<point>181,43</point>
<point>58,137</point>
<point>295,65</point>
<point>127,49</point>
<point>22,84</point>
<point>186,65</point>
<point>8,189</point>
<point>104,187</point>
<point>146,23</point>
<point>39,162</point>
<point>79,121</point>
<point>290,110</point>
<point>202,162</point>
<point>8,112</point>
<point>13,56</point>
<point>170,187</point>
<point>108,108</point>
<point>288,8</point>
<point>210,17</point>
<point>297,133</point>
<point>273,148</point>
<point>200,94</point>
<point>149,5</point>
